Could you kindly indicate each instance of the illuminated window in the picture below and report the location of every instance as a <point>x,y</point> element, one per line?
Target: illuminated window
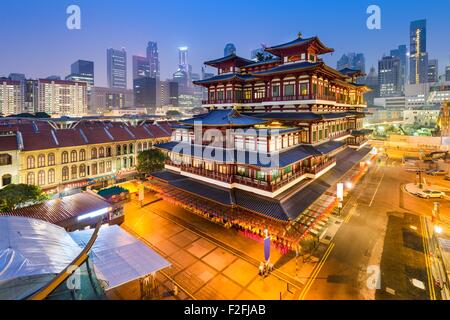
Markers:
<point>65,157</point>
<point>30,178</point>
<point>101,167</point>
<point>73,156</point>
<point>5,159</point>
<point>108,166</point>
<point>30,163</point>
<point>51,176</point>
<point>41,178</point>
<point>94,153</point>
<point>73,171</point>
<point>51,159</point>
<point>41,161</point>
<point>101,152</point>
<point>65,173</point>
<point>94,169</point>
<point>82,155</point>
<point>82,171</point>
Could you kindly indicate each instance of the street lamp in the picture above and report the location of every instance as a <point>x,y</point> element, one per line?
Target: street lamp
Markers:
<point>349,185</point>
<point>438,229</point>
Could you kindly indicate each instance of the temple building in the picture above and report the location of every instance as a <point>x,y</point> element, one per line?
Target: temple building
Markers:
<point>273,129</point>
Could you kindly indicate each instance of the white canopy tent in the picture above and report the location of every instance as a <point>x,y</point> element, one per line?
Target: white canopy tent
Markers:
<point>119,257</point>
<point>32,252</point>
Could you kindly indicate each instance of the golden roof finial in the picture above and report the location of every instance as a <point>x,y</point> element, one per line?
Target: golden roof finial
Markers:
<point>299,35</point>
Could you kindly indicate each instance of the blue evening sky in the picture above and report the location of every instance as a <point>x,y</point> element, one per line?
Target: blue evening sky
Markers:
<point>35,40</point>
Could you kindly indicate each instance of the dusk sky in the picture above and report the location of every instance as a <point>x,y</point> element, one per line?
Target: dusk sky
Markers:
<point>35,40</point>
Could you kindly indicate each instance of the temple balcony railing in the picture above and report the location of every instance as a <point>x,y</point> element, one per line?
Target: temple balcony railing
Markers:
<point>242,180</point>
<point>320,167</point>
<point>325,97</point>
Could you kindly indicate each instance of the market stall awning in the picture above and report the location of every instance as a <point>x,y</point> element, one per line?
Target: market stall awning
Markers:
<point>119,257</point>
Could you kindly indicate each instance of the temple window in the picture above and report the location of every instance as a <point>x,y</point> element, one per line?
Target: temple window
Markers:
<point>248,94</point>
<point>260,175</point>
<point>289,90</point>
<point>303,89</point>
<point>275,91</point>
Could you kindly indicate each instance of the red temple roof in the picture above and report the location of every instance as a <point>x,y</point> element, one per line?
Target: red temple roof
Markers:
<point>298,44</point>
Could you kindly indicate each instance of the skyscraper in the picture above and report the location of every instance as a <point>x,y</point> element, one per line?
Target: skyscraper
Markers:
<point>352,60</point>
<point>401,53</point>
<point>371,80</point>
<point>117,68</point>
<point>447,73</point>
<point>145,92</point>
<point>433,70</point>
<point>418,52</point>
<point>230,48</point>
<point>153,59</point>
<point>389,76</point>
<point>141,67</point>
<point>183,58</point>
<point>82,70</point>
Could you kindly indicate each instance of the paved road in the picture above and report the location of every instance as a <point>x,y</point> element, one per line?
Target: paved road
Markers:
<point>382,231</point>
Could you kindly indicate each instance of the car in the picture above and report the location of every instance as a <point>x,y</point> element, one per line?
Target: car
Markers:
<point>427,194</point>
<point>436,172</point>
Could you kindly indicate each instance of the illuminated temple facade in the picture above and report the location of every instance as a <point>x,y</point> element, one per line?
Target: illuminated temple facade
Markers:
<point>272,128</point>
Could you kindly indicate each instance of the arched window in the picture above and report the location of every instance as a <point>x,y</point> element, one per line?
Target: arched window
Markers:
<point>131,148</point>
<point>108,166</point>
<point>73,171</point>
<point>82,171</point>
<point>101,152</point>
<point>101,167</point>
<point>124,162</point>
<point>82,155</point>
<point>41,161</point>
<point>145,146</point>
<point>118,153</point>
<point>65,173</point>
<point>6,179</point>
<point>51,159</point>
<point>65,157</point>
<point>30,162</point>
<point>131,162</point>
<point>30,178</point>
<point>94,153</point>
<point>51,176</point>
<point>94,169</point>
<point>124,149</point>
<point>108,152</point>
<point>41,178</point>
<point>73,156</point>
<point>139,147</point>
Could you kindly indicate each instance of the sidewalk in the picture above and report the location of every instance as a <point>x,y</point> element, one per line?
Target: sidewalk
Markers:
<point>438,268</point>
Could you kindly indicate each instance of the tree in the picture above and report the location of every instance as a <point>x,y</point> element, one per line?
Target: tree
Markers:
<point>150,161</point>
<point>42,115</point>
<point>14,195</point>
<point>308,245</point>
<point>173,113</point>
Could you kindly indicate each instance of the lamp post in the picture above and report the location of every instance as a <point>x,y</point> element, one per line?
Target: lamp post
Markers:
<point>340,195</point>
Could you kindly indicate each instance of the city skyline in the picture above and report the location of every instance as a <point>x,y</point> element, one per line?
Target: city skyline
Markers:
<point>56,58</point>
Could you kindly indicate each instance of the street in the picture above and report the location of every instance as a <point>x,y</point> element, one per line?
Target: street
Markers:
<point>382,234</point>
